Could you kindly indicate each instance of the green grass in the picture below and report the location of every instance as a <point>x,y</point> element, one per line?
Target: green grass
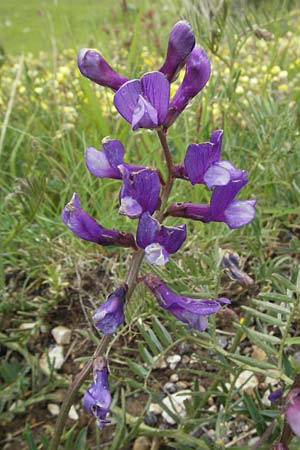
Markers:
<point>42,265</point>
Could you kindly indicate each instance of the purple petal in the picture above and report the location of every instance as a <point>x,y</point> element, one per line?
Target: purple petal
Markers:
<point>99,165</point>
<point>239,213</point>
<point>275,395</point>
<point>144,115</point>
<point>172,238</point>
<point>127,97</point>
<point>110,315</point>
<point>114,151</point>
<point>223,196</point>
<point>190,211</point>
<point>147,231</point>
<point>181,43</point>
<point>216,138</point>
<point>85,227</point>
<point>198,158</point>
<point>156,90</point>
<point>196,76</point>
<point>293,410</point>
<point>216,175</point>
<point>156,254</point>
<point>93,66</point>
<point>235,173</point>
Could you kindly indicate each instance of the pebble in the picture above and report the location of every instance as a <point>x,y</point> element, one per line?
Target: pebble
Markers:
<point>27,326</point>
<point>175,402</point>
<point>55,358</point>
<point>184,348</point>
<point>161,363</point>
<point>181,385</point>
<point>246,381</point>
<point>150,419</point>
<point>155,408</point>
<point>173,361</point>
<point>259,354</point>
<point>73,413</point>
<point>170,387</point>
<point>53,409</point>
<point>222,341</point>
<point>62,335</point>
<point>174,378</point>
<point>141,443</point>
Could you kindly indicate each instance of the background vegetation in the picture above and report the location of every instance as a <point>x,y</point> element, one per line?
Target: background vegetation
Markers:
<point>49,114</point>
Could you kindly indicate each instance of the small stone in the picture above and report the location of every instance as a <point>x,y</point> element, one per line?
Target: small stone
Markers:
<point>181,385</point>
<point>73,413</point>
<point>184,347</point>
<point>246,381</point>
<point>160,363</point>
<point>173,361</point>
<point>175,402</point>
<point>252,441</point>
<point>150,419</point>
<point>53,409</point>
<point>185,360</point>
<point>155,408</point>
<point>27,326</point>
<point>174,378</point>
<point>54,359</point>
<point>141,443</point>
<point>259,354</point>
<point>222,341</point>
<point>170,387</point>
<point>62,335</point>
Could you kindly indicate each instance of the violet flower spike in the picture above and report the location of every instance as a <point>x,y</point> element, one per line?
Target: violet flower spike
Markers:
<point>181,43</point>
<point>144,103</point>
<point>92,65</point>
<point>85,227</point>
<point>292,413</point>
<point>191,311</point>
<point>97,399</point>
<point>105,164</point>
<point>159,241</point>
<point>222,207</point>
<point>139,192</point>
<point>110,315</point>
<point>197,74</point>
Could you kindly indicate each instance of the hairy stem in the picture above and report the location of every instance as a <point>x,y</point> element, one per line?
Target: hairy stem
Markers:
<point>131,278</point>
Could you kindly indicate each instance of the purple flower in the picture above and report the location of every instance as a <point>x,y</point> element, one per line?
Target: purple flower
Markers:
<point>144,103</point>
<point>97,399</point>
<point>158,240</point>
<point>110,315</point>
<point>92,65</point>
<point>275,395</point>
<point>85,227</point>
<point>139,192</point>
<point>189,310</point>
<point>202,164</point>
<point>222,207</point>
<point>292,413</point>
<point>280,446</point>
<point>197,74</point>
<point>105,164</point>
<point>181,43</point>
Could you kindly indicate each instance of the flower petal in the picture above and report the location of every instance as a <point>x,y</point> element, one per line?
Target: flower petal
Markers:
<point>147,231</point>
<point>156,90</point>
<point>172,238</point>
<point>144,115</point>
<point>216,138</point>
<point>216,175</point>
<point>239,213</point>
<point>126,98</point>
<point>99,165</point>
<point>156,254</point>
<point>223,196</point>
<point>190,211</point>
<point>198,158</point>
<point>110,315</point>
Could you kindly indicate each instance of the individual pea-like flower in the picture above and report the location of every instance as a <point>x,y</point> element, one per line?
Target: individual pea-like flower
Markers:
<point>196,76</point>
<point>92,65</point>
<point>159,241</point>
<point>192,311</point>
<point>110,315</point>
<point>105,164</point>
<point>292,413</point>
<point>181,43</point>
<point>202,164</point>
<point>222,207</point>
<point>144,103</point>
<point>97,399</point>
<point>139,192</point>
<point>275,395</point>
<point>85,227</point>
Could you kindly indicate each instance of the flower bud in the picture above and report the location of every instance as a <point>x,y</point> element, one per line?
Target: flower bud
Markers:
<point>110,315</point>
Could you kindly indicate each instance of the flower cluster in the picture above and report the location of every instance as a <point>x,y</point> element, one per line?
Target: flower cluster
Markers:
<point>146,103</point>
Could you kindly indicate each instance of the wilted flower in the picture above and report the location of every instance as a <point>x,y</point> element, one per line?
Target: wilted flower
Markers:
<point>139,192</point>
<point>181,43</point>
<point>222,207</point>
<point>93,66</point>
<point>97,399</point>
<point>202,164</point>
<point>231,262</point>
<point>85,227</point>
<point>292,413</point>
<point>110,315</point>
<point>196,76</point>
<point>144,103</point>
<point>189,310</point>
<point>105,164</point>
<point>158,240</point>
